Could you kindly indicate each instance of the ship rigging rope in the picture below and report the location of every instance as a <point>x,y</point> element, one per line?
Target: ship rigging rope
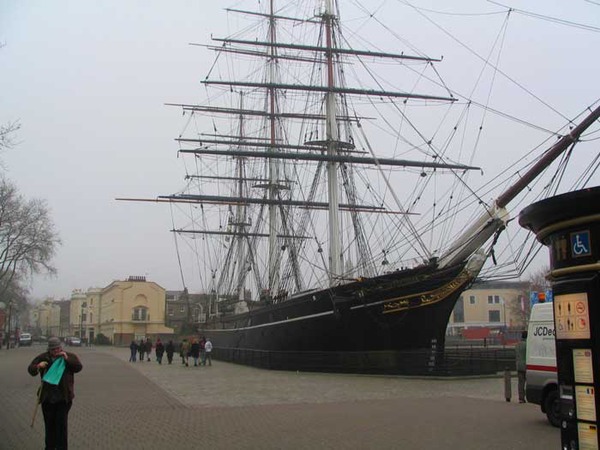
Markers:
<point>423,138</point>
<point>453,92</point>
<point>470,50</point>
<point>499,42</point>
<point>550,18</point>
<point>177,246</point>
<point>529,248</point>
<point>415,129</point>
<point>396,199</point>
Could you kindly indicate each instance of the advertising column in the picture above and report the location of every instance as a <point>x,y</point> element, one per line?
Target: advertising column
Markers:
<point>569,225</point>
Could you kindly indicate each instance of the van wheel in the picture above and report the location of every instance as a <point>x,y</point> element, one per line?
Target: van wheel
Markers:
<point>552,407</point>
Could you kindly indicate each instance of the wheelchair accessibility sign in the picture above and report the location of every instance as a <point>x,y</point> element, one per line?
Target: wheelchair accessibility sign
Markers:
<point>580,244</point>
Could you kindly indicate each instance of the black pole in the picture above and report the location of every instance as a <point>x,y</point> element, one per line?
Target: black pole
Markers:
<point>8,325</point>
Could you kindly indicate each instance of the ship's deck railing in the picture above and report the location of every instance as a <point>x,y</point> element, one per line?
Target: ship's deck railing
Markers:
<point>451,362</point>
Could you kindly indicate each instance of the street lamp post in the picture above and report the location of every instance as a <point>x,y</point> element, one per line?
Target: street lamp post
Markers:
<point>83,305</point>
<point>8,324</point>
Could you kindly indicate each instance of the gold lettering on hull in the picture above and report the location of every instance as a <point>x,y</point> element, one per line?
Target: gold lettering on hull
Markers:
<point>426,298</point>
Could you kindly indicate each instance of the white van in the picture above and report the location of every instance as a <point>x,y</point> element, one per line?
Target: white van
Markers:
<point>542,382</point>
<point>25,339</point>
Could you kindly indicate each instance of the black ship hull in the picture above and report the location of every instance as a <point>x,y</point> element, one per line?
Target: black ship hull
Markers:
<point>403,310</point>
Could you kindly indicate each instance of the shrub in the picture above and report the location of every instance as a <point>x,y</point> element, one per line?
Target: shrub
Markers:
<point>101,340</point>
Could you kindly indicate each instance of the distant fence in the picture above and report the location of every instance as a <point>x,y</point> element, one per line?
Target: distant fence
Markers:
<point>451,362</point>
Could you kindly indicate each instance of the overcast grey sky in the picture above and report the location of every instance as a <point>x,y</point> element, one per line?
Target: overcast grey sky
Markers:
<point>88,81</point>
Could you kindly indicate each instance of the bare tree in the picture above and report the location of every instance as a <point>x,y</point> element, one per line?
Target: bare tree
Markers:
<point>28,240</point>
<point>6,132</point>
<point>538,280</point>
<point>522,308</point>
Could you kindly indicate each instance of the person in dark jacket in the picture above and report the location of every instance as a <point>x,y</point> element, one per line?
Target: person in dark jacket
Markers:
<point>170,348</point>
<point>133,347</point>
<point>520,356</point>
<point>195,351</point>
<point>159,350</point>
<point>56,399</point>
<point>142,349</point>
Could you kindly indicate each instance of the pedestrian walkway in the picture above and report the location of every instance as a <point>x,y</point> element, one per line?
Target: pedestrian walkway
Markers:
<point>143,405</point>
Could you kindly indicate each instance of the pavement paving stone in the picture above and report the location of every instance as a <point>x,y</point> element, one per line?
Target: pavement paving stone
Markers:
<point>143,405</point>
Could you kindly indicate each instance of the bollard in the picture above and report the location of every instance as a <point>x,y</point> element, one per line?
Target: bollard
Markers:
<point>507,384</point>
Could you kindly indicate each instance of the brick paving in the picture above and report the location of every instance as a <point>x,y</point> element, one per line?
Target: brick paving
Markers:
<point>122,405</point>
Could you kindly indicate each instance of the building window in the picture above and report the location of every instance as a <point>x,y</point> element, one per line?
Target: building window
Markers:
<point>459,311</point>
<point>472,299</point>
<point>494,316</point>
<point>140,314</point>
<point>91,320</point>
<point>496,299</point>
<point>170,310</point>
<point>490,299</point>
<point>182,308</point>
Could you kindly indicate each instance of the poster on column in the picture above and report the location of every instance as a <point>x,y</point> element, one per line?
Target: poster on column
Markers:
<point>571,315</point>
<point>588,436</point>
<point>582,365</point>
<point>585,399</point>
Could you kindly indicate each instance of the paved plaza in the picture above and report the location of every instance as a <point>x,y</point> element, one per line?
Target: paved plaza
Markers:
<point>143,405</point>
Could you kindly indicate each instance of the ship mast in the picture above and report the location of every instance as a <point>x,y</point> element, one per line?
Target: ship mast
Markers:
<point>274,254</point>
<point>336,262</point>
<point>240,215</point>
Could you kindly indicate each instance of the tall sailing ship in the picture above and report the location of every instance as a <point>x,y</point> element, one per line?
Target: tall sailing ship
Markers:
<point>307,227</point>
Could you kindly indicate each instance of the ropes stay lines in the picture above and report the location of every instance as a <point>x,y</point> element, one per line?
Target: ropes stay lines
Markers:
<point>549,18</point>
<point>478,56</point>
<point>177,247</point>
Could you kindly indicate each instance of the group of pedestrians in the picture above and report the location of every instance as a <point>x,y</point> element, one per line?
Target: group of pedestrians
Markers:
<point>143,348</point>
<point>198,349</point>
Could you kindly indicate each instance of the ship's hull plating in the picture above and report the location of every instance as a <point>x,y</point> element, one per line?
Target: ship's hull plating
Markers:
<point>397,311</point>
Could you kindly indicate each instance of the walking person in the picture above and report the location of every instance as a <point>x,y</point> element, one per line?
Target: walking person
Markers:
<point>134,349</point>
<point>185,352</point>
<point>195,351</point>
<point>202,351</point>
<point>148,348</point>
<point>142,349</point>
<point>159,350</point>
<point>520,357</point>
<point>57,370</point>
<point>170,350</point>
<point>208,351</point>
